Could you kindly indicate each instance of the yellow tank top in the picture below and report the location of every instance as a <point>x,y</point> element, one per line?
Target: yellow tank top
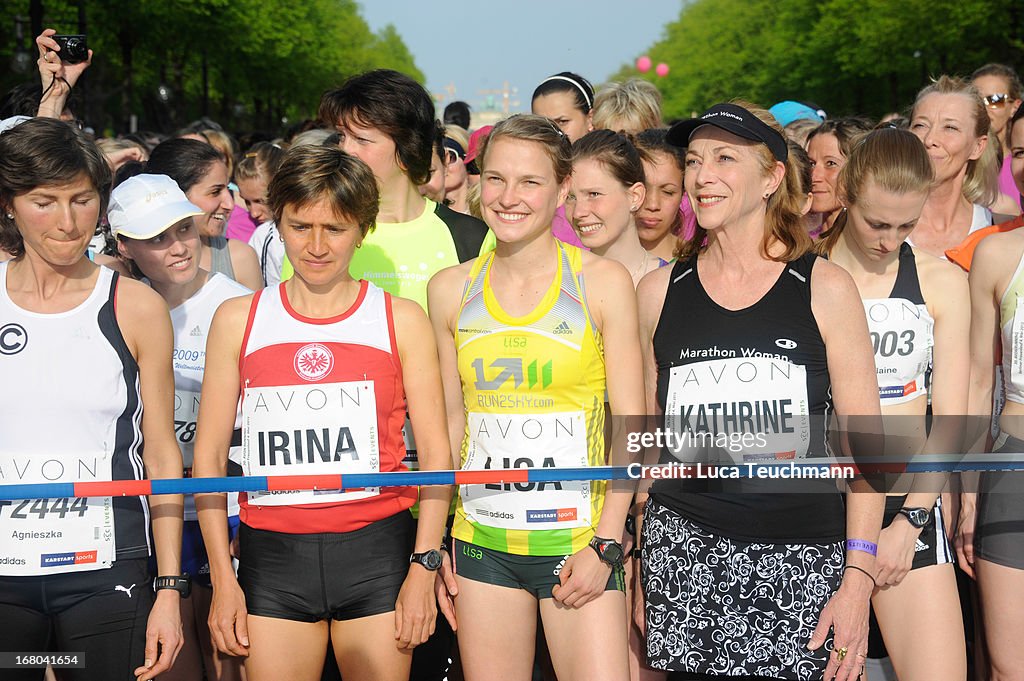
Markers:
<point>534,391</point>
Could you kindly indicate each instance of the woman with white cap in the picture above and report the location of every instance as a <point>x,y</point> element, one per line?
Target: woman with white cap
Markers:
<point>152,221</point>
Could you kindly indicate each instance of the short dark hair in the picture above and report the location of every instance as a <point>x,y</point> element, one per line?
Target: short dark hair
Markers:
<point>185,161</point>
<point>656,140</point>
<point>848,131</point>
<point>613,150</point>
<point>313,173</point>
<point>44,152</point>
<point>570,82</point>
<point>393,103</point>
<point>457,113</point>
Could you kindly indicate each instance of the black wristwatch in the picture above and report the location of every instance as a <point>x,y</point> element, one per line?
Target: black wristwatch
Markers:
<point>429,559</point>
<point>180,583</point>
<point>608,550</point>
<point>918,517</point>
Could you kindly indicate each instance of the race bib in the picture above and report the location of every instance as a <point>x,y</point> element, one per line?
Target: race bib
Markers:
<point>527,441</point>
<point>902,337</point>
<point>57,535</point>
<point>186,414</point>
<point>1017,347</point>
<point>321,429</point>
<point>737,410</point>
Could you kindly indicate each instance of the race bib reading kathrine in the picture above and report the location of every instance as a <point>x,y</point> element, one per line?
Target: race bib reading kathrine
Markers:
<point>738,409</point>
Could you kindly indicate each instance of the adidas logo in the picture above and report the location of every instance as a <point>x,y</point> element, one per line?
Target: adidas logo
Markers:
<point>563,329</point>
<point>920,546</point>
<point>196,332</point>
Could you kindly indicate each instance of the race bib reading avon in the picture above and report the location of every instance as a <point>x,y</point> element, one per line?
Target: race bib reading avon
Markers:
<point>739,409</point>
<point>322,429</point>
<point>901,334</point>
<point>527,441</point>
<point>57,535</point>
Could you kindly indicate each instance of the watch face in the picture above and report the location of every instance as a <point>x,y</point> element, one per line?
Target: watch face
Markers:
<point>612,553</point>
<point>918,517</point>
<point>431,560</point>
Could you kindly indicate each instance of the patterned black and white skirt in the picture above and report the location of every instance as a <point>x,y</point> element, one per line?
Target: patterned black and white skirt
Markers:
<point>721,607</point>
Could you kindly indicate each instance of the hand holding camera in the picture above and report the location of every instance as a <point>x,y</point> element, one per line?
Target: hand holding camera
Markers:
<point>62,60</point>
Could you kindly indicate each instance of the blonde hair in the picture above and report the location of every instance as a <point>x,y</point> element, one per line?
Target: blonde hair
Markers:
<point>894,159</point>
<point>634,101</point>
<point>457,133</point>
<point>109,145</point>
<point>261,160</point>
<point>225,146</point>
<point>982,177</point>
<point>784,221</point>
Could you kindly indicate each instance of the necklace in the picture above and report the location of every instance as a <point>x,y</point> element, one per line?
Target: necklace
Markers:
<point>643,265</point>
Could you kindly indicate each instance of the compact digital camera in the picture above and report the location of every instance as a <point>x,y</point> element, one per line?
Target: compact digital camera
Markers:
<point>73,48</point>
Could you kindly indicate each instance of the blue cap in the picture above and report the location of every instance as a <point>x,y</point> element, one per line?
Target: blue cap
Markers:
<point>789,111</point>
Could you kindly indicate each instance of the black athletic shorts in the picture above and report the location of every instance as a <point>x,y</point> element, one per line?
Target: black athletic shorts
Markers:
<point>101,613</point>
<point>325,576</point>
<point>932,546</point>
<point>536,574</point>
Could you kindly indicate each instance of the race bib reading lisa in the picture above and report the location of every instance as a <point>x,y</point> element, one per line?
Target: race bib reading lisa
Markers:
<point>557,440</point>
<point>57,535</point>
<point>738,409</point>
<point>322,429</point>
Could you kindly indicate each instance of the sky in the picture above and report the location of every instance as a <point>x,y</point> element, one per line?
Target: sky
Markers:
<point>479,44</point>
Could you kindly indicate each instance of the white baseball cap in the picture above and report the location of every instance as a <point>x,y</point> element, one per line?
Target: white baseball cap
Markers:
<point>146,205</point>
<point>8,123</point>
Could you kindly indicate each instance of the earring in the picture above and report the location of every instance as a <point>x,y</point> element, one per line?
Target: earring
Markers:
<point>10,216</point>
<point>767,194</point>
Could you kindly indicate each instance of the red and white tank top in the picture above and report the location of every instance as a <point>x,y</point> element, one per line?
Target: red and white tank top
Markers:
<point>321,396</point>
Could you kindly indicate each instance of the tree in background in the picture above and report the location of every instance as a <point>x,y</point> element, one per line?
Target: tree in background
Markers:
<point>249,64</point>
<point>849,56</point>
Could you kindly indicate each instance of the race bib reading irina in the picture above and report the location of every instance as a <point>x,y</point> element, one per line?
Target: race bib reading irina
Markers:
<point>322,429</point>
<point>57,535</point>
<point>557,440</point>
<point>738,409</point>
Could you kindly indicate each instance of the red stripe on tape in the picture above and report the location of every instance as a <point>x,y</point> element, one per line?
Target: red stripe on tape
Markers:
<point>303,482</point>
<point>485,477</point>
<point>114,488</point>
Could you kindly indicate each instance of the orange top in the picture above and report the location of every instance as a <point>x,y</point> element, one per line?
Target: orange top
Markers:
<point>964,253</point>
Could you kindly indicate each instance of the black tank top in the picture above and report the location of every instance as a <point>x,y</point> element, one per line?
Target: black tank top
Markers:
<point>760,374</point>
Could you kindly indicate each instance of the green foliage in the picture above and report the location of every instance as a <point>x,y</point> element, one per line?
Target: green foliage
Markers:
<point>265,59</point>
<point>849,56</point>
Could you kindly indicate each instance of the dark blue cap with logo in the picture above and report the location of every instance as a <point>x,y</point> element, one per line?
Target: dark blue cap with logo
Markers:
<point>735,119</point>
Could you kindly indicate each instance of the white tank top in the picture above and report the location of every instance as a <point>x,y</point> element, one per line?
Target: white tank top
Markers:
<point>191,321</point>
<point>266,241</point>
<point>70,411</point>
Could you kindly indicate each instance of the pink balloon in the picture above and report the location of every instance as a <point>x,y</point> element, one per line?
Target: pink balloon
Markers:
<point>662,69</point>
<point>643,64</point>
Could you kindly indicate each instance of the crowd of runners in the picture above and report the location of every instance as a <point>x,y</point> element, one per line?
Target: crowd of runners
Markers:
<point>381,291</point>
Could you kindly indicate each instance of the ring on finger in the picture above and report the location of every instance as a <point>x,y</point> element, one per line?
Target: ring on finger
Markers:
<point>841,653</point>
